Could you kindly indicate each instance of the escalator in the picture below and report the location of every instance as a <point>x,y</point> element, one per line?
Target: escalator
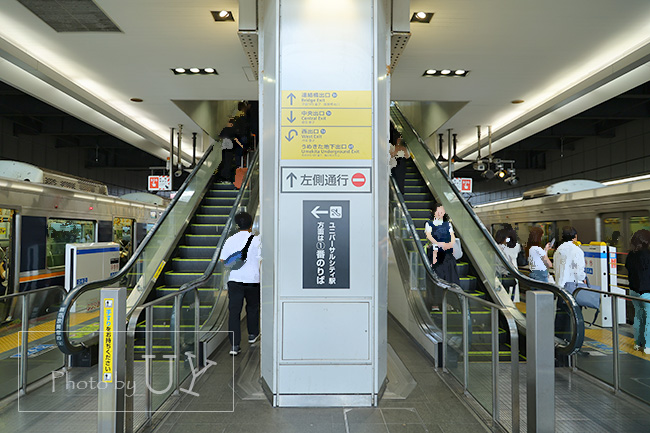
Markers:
<point>484,271</point>
<point>180,252</point>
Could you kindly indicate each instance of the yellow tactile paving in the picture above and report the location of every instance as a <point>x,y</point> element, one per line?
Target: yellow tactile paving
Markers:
<point>12,341</point>
<point>626,344</point>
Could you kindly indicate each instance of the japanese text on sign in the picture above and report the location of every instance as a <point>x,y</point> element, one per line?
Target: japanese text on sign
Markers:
<point>107,360</point>
<point>325,179</point>
<point>326,124</point>
<point>326,244</point>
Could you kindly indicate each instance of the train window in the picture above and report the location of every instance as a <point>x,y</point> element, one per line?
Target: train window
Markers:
<point>637,223</point>
<point>61,232</point>
<point>613,230</point>
<point>123,235</point>
<point>6,216</point>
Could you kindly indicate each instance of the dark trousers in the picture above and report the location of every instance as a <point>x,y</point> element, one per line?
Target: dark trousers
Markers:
<point>237,292</point>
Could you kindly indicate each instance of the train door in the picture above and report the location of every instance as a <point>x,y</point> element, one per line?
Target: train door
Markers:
<point>617,228</point>
<point>7,274</point>
<point>6,247</point>
<point>123,235</point>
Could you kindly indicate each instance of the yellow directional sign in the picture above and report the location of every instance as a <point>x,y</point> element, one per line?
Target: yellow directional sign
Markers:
<point>326,124</point>
<point>326,98</point>
<point>327,143</point>
<point>292,117</point>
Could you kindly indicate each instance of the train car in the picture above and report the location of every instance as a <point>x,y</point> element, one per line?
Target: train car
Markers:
<point>601,213</point>
<point>41,212</point>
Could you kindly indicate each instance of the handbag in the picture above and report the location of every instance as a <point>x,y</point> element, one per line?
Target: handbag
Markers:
<point>457,250</point>
<point>585,298</point>
<point>521,258</point>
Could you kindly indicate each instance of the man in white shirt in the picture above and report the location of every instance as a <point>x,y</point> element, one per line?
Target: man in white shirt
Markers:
<point>243,283</point>
<point>569,260</point>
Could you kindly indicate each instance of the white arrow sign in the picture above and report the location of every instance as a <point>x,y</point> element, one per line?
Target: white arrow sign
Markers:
<point>315,212</point>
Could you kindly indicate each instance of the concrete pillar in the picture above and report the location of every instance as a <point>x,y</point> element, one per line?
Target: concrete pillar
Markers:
<point>324,109</point>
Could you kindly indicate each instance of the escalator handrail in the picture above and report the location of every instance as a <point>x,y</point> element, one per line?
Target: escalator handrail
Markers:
<point>196,283</point>
<point>577,336</point>
<point>61,331</point>
<point>445,285</point>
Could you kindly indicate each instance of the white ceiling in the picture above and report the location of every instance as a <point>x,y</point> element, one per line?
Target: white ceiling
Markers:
<point>544,52</point>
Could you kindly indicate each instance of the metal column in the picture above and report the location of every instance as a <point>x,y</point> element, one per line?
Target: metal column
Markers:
<point>541,363</point>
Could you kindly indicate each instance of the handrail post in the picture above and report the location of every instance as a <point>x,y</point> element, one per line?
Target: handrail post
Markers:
<point>24,342</point>
<point>465,318</point>
<point>514,375</point>
<point>444,329</point>
<point>176,340</point>
<point>615,343</point>
<point>494,328</point>
<point>197,324</point>
<point>148,350</point>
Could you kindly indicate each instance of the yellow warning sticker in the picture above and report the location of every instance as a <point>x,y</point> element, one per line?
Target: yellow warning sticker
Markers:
<point>159,270</point>
<point>107,359</point>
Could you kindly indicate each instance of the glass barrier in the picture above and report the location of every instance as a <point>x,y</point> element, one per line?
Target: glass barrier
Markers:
<point>142,270</point>
<point>616,354</point>
<point>27,348</point>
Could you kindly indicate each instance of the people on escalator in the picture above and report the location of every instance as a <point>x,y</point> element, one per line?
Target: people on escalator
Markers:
<point>569,264</point>
<point>227,136</point>
<point>538,260</point>
<point>243,283</point>
<point>504,241</point>
<point>441,237</point>
<point>398,156</point>
<point>637,264</point>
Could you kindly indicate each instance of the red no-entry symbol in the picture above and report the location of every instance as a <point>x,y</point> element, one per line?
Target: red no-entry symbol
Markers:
<point>358,179</point>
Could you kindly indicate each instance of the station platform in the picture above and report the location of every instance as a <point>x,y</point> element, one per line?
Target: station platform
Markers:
<point>418,399</point>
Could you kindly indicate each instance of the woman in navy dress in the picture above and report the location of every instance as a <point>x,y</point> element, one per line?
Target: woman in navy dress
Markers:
<point>441,236</point>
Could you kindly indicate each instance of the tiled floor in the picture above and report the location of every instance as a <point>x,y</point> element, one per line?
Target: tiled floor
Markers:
<point>431,406</point>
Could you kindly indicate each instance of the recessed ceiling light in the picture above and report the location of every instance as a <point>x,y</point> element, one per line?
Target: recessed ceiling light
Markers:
<point>446,73</point>
<point>517,101</point>
<point>195,71</point>
<point>422,17</point>
<point>222,15</point>
<point>137,99</point>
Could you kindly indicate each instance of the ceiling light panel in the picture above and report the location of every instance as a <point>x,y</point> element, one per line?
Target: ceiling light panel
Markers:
<point>446,73</point>
<point>194,71</point>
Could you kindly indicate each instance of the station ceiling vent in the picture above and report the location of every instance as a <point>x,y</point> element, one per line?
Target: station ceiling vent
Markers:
<point>71,15</point>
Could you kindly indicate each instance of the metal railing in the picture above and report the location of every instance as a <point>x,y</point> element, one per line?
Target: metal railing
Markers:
<point>247,200</point>
<point>418,260</point>
<point>487,257</point>
<point>138,261</point>
<point>22,382</point>
<point>617,377</point>
<point>495,310</point>
<point>175,325</point>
